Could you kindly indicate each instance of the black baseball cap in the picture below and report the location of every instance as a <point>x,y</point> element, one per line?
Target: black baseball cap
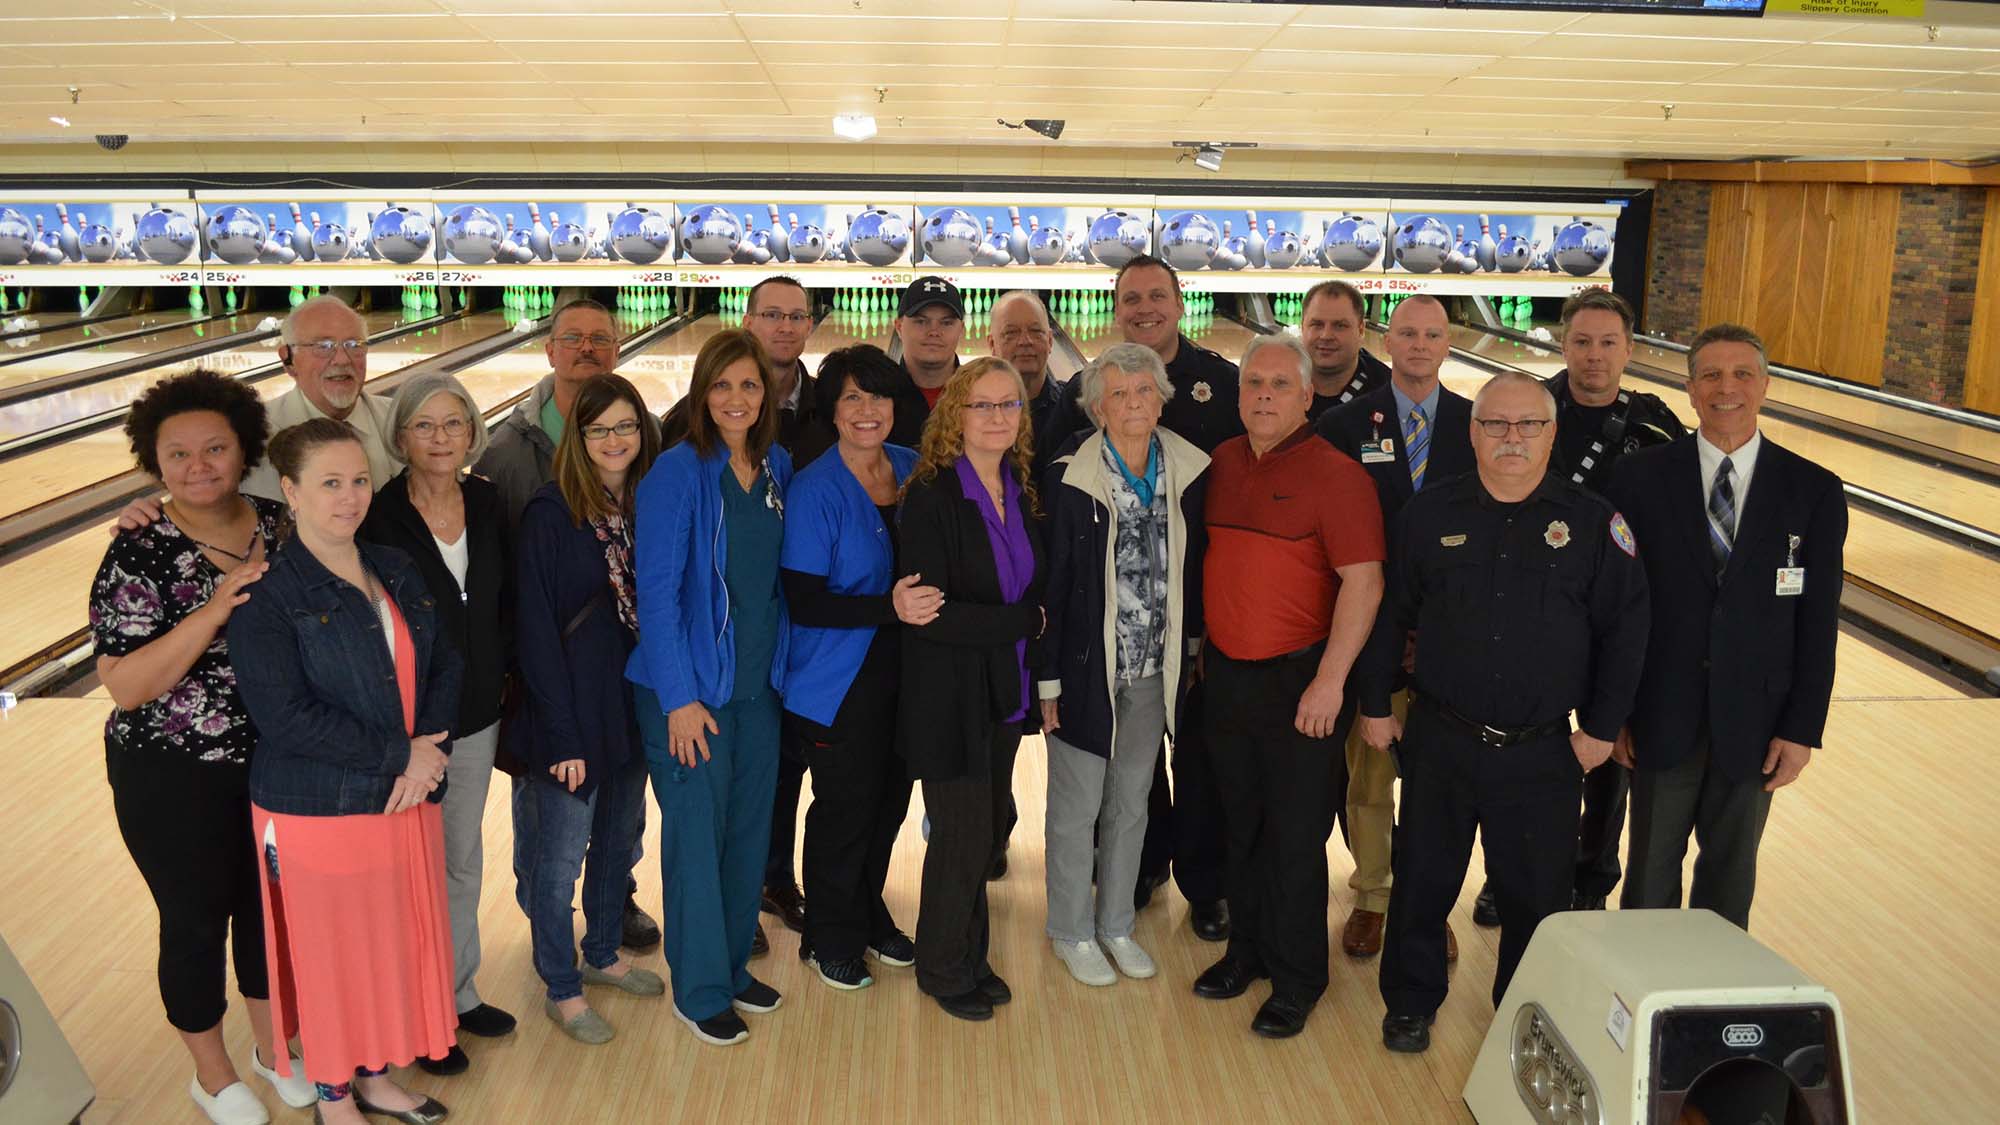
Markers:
<point>931,290</point>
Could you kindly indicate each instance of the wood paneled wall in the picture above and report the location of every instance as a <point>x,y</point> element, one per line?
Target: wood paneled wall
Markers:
<point>1808,267</point>
<point>1982,359</point>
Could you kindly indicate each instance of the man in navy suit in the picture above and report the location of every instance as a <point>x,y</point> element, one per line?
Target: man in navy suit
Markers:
<point>1742,542</point>
<point>1409,433</point>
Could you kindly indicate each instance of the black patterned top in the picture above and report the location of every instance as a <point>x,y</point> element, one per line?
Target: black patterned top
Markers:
<point>149,582</point>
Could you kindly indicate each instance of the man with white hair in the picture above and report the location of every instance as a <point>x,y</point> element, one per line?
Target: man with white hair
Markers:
<point>1529,597</point>
<point>324,347</point>
<point>1290,583</point>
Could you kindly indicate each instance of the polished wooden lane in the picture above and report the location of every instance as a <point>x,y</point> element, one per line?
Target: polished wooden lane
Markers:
<point>40,476</point>
<point>60,331</point>
<point>114,351</point>
<point>1874,882</point>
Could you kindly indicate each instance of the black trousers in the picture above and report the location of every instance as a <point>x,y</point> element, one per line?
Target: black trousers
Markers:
<point>1185,823</point>
<point>187,825</point>
<point>1521,801</point>
<point>861,792</point>
<point>966,814</point>
<point>1277,799</point>
<point>778,867</point>
<point>1599,829</point>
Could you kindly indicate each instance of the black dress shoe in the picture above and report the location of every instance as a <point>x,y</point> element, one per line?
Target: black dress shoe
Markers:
<point>1281,1017</point>
<point>1484,911</point>
<point>1210,920</point>
<point>971,1005</point>
<point>1226,979</point>
<point>1409,1035</point>
<point>998,869</point>
<point>788,902</point>
<point>1585,901</point>
<point>760,945</point>
<point>640,931</point>
<point>485,1021</point>
<point>429,1113</point>
<point>453,1062</point>
<point>1142,892</point>
<point>994,989</point>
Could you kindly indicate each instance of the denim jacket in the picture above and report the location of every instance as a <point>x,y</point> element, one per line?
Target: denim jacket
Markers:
<point>315,671</point>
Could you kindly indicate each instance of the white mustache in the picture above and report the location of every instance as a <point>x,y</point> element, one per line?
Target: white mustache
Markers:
<point>1510,449</point>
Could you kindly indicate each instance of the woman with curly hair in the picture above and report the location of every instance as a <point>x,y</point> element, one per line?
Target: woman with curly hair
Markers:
<point>968,529</point>
<point>177,749</point>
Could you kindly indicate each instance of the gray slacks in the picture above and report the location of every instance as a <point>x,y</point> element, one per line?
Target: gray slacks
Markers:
<point>1726,818</point>
<point>1087,792</point>
<point>467,775</point>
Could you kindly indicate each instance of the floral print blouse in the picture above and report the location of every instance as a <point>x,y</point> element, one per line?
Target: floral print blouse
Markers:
<point>149,582</point>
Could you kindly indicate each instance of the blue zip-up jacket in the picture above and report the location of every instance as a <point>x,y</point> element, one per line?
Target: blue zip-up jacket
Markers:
<point>315,671</point>
<point>687,644</point>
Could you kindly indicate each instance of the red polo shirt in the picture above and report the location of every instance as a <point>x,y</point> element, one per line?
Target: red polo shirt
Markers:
<point>1279,526</point>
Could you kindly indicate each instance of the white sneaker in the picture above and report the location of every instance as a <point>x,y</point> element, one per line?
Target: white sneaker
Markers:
<point>1086,962</point>
<point>235,1105</point>
<point>297,1091</point>
<point>1130,959</point>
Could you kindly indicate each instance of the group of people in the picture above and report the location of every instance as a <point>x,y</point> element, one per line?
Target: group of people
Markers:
<point>1309,575</point>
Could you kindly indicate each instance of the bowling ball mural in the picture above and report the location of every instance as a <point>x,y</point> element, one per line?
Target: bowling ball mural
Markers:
<point>1512,251</point>
<point>472,234</point>
<point>235,234</point>
<point>1195,234</point>
<point>1580,248</point>
<point>1422,244</point>
<point>949,237</point>
<point>1117,237</point>
<point>97,242</point>
<point>710,234</point>
<point>1189,239</point>
<point>17,237</point>
<point>164,235</point>
<point>568,242</point>
<point>879,236</point>
<point>401,234</point>
<point>1351,242</point>
<point>329,240</point>
<point>777,234</point>
<point>643,234</point>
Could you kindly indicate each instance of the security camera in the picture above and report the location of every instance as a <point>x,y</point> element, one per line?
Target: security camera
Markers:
<point>111,142</point>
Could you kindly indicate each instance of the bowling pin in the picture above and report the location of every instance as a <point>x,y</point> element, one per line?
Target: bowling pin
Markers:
<point>1253,247</point>
<point>781,243</point>
<point>1489,250</point>
<point>610,247</point>
<point>66,238</point>
<point>539,240</point>
<point>302,239</point>
<point>196,301</point>
<point>1017,239</point>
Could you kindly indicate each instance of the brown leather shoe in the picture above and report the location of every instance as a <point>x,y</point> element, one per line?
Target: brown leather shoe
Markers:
<point>1450,944</point>
<point>1362,935</point>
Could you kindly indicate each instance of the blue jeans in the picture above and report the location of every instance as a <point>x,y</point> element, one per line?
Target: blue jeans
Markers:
<point>553,829</point>
<point>715,833</point>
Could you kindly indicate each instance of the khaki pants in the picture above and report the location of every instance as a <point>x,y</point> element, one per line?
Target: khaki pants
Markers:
<point>1371,813</point>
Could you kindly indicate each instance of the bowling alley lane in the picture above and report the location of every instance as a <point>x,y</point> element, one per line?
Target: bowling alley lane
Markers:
<point>83,359</point>
<point>60,330</point>
<point>1898,475</point>
<point>32,415</point>
<point>1953,581</point>
<point>88,458</point>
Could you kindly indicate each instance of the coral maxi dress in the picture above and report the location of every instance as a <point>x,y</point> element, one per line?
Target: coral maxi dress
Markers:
<point>357,931</point>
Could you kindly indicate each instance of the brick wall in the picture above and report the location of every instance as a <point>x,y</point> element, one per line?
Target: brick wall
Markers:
<point>1678,253</point>
<point>1930,302</point>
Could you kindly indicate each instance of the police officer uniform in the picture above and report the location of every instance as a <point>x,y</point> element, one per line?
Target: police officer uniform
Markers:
<point>1184,828</point>
<point>1370,374</point>
<point>1588,440</point>
<point>1527,611</point>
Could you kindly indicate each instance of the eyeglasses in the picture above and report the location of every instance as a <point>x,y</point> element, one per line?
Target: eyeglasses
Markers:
<point>1011,406</point>
<point>626,428</point>
<point>1498,427</point>
<point>1014,335</point>
<point>774,317</point>
<point>427,429</point>
<point>574,340</point>
<point>324,349</point>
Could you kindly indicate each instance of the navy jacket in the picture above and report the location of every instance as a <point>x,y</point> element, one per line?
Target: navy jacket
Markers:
<point>1352,425</point>
<point>578,703</point>
<point>1079,657</point>
<point>480,621</point>
<point>1731,655</point>
<point>315,671</point>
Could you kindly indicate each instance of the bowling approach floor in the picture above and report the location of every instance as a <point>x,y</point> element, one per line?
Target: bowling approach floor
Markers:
<point>1862,889</point>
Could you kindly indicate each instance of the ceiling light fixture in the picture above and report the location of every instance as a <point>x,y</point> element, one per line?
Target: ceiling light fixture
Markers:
<point>57,120</point>
<point>854,126</point>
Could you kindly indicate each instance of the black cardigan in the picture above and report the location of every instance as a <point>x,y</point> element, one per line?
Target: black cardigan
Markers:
<point>480,624</point>
<point>959,676</point>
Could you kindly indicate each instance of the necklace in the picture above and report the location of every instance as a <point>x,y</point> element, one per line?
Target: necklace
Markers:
<point>243,556</point>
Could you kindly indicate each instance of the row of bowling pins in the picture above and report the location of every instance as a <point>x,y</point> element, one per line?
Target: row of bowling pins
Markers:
<point>420,298</point>
<point>645,298</point>
<point>532,299</point>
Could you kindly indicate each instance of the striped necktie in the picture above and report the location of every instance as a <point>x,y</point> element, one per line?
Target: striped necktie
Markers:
<point>1417,438</point>
<point>1722,515</point>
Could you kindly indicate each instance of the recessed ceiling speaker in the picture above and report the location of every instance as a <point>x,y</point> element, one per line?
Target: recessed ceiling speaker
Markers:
<point>112,141</point>
<point>1660,1017</point>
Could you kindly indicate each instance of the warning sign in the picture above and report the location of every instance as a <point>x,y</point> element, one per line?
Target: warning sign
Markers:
<point>1896,9</point>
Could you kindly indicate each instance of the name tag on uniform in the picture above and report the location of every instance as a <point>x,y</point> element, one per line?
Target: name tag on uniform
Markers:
<point>1791,581</point>
<point>1379,452</point>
